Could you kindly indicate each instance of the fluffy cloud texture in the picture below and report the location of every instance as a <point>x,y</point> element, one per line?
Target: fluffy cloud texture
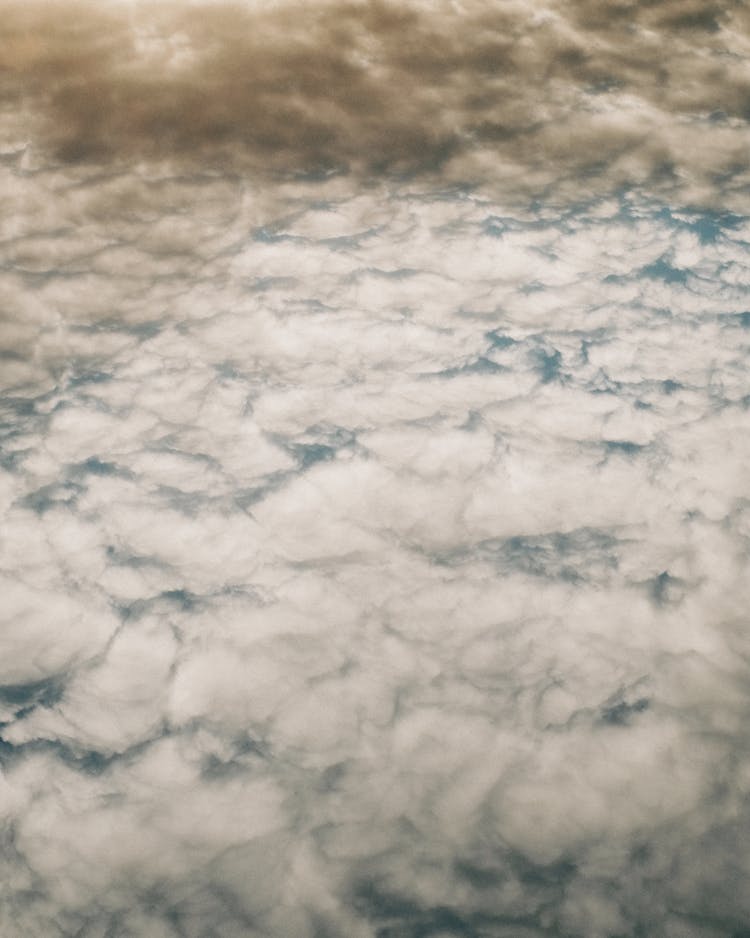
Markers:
<point>552,99</point>
<point>374,464</point>
<point>378,571</point>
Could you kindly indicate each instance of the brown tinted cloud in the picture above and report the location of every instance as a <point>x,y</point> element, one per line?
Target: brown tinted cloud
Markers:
<point>543,98</point>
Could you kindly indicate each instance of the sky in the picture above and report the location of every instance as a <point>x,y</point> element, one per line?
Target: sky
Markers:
<point>374,469</point>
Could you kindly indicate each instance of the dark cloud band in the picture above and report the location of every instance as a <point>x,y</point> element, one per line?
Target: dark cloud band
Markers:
<point>547,99</point>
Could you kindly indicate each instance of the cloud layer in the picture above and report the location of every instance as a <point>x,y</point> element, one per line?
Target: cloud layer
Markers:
<point>374,515</point>
<point>377,570</point>
<point>558,99</point>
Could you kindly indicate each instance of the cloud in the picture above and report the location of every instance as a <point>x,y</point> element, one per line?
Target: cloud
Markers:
<point>374,566</point>
<point>374,538</point>
<point>560,100</point>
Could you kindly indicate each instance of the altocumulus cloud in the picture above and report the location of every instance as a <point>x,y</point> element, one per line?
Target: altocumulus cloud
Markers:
<point>374,469</point>
<point>566,96</point>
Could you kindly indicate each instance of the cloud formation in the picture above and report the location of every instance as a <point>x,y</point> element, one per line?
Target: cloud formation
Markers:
<point>378,570</point>
<point>373,470</point>
<point>554,99</point>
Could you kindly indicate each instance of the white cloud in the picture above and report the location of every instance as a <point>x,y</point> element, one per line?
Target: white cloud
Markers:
<point>384,568</point>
